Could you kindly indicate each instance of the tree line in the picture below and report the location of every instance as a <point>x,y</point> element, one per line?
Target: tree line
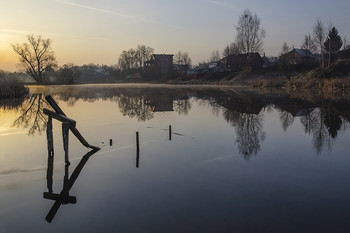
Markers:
<point>322,41</point>
<point>37,58</point>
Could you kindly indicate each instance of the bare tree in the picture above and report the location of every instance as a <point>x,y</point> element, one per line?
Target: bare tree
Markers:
<point>215,56</point>
<point>143,54</point>
<point>226,51</point>
<point>231,49</point>
<point>135,58</point>
<point>309,44</point>
<point>127,60</point>
<point>182,58</point>
<point>36,57</point>
<point>178,58</point>
<point>346,43</point>
<point>250,35</point>
<point>285,48</point>
<point>319,37</point>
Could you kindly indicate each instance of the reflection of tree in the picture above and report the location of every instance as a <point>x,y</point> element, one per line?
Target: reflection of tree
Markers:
<point>210,104</point>
<point>333,123</point>
<point>324,126</point>
<point>32,114</point>
<point>68,96</point>
<point>287,119</point>
<point>182,106</point>
<point>249,131</point>
<point>7,104</point>
<point>135,107</point>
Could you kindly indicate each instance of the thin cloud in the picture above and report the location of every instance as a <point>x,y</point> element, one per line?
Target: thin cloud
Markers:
<point>13,31</point>
<point>116,13</point>
<point>94,9</point>
<point>220,3</point>
<point>160,23</point>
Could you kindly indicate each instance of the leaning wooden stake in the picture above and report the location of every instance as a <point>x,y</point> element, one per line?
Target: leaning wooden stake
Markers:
<point>61,116</point>
<point>65,134</point>
<point>50,157</point>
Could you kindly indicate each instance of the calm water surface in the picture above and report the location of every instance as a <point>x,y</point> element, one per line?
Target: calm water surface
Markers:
<point>234,161</point>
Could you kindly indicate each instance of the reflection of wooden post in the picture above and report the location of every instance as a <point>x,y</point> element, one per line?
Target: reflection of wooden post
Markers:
<point>65,133</point>
<point>137,149</point>
<point>169,132</point>
<point>65,181</point>
<point>49,173</point>
<point>60,198</point>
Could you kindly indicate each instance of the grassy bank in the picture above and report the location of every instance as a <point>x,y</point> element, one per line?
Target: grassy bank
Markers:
<point>12,88</point>
<point>333,78</point>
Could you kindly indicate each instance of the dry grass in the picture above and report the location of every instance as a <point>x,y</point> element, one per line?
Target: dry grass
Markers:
<point>11,88</point>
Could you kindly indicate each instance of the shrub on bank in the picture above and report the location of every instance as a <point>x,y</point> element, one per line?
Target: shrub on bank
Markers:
<point>10,87</point>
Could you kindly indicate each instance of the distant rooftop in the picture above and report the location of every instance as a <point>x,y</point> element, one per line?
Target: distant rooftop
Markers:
<point>304,52</point>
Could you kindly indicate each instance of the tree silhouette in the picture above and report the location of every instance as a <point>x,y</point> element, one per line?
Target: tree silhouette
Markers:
<point>134,58</point>
<point>309,44</point>
<point>182,58</point>
<point>36,57</point>
<point>333,42</point>
<point>319,37</point>
<point>250,35</point>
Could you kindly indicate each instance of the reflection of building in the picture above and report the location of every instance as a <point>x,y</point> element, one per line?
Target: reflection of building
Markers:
<point>241,106</point>
<point>304,112</point>
<point>162,104</point>
<point>160,63</point>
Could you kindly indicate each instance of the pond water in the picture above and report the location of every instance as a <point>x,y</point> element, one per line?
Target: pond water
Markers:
<point>211,159</point>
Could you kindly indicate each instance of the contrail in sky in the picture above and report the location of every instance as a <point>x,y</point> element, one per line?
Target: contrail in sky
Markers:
<point>13,31</point>
<point>116,13</point>
<point>223,4</point>
<point>94,8</point>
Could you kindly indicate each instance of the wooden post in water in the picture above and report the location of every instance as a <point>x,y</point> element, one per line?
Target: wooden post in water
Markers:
<point>169,132</point>
<point>65,133</point>
<point>137,149</point>
<point>49,173</point>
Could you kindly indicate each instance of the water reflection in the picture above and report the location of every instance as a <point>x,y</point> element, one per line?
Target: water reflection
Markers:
<point>245,110</point>
<point>324,125</point>
<point>249,133</point>
<point>63,197</point>
<point>8,104</point>
<point>287,119</point>
<point>31,114</point>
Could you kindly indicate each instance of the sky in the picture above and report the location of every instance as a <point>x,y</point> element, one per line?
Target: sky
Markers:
<point>87,31</point>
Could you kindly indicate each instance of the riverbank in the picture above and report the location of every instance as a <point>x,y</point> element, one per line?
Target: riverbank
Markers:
<point>12,88</point>
<point>335,78</point>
